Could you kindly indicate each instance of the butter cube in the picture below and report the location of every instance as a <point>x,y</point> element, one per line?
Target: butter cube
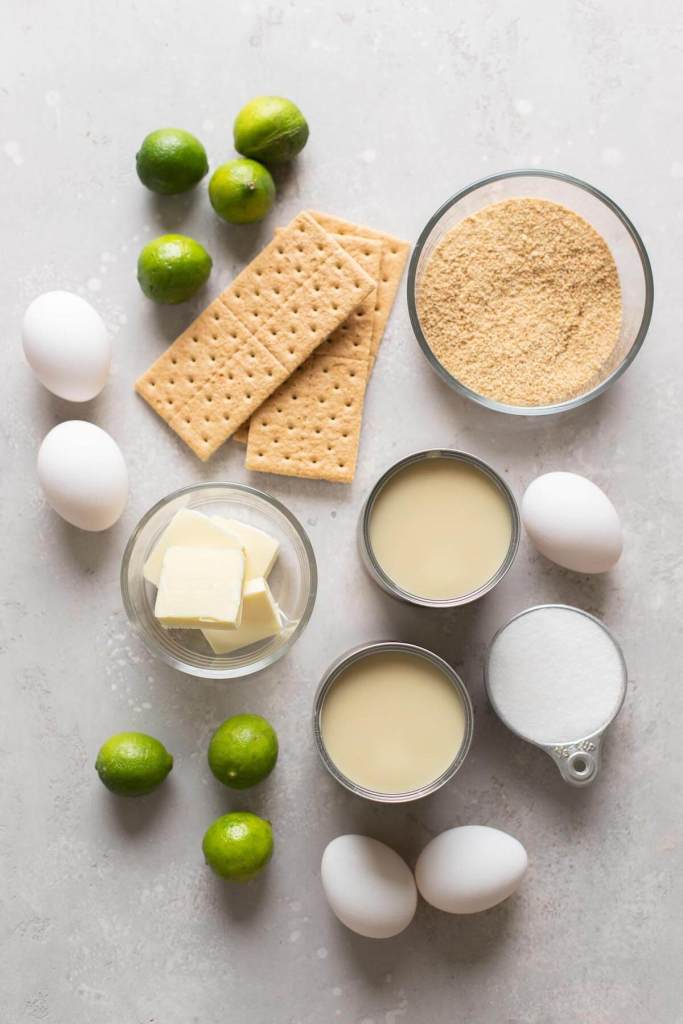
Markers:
<point>188,529</point>
<point>260,548</point>
<point>260,619</point>
<point>201,587</point>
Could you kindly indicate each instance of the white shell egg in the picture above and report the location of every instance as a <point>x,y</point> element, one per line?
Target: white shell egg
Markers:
<point>66,345</point>
<point>83,475</point>
<point>468,869</point>
<point>572,522</point>
<point>368,886</point>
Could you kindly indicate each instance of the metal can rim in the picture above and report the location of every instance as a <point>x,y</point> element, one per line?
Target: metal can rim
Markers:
<point>351,657</point>
<point>374,568</point>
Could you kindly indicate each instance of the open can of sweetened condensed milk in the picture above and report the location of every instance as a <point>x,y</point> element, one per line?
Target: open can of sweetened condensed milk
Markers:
<point>439,529</point>
<point>393,722</point>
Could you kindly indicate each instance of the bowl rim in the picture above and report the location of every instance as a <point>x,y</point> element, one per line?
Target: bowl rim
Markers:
<point>531,410</point>
<point>259,664</point>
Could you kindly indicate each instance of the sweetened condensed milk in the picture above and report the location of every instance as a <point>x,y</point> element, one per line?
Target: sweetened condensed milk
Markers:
<point>392,722</point>
<point>440,528</point>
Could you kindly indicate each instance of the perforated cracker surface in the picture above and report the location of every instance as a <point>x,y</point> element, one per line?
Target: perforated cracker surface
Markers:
<point>242,381</point>
<point>174,378</point>
<point>254,335</point>
<point>312,429</point>
<point>311,425</point>
<point>353,338</point>
<point>274,448</point>
<point>394,256</point>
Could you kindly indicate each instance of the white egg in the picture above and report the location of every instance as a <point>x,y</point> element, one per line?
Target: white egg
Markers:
<point>368,886</point>
<point>572,522</point>
<point>83,475</point>
<point>66,345</point>
<point>468,869</point>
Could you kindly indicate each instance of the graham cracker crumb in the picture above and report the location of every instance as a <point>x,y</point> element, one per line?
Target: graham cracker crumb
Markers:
<point>521,302</point>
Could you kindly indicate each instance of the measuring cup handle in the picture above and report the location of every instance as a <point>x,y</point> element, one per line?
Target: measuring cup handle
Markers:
<point>579,763</point>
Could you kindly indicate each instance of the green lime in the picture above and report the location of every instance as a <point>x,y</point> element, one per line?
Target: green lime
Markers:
<point>241,191</point>
<point>238,845</point>
<point>132,763</point>
<point>270,128</point>
<point>243,750</point>
<point>170,161</point>
<point>172,268</point>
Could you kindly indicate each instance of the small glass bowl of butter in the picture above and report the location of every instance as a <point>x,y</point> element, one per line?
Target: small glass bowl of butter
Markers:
<point>233,528</point>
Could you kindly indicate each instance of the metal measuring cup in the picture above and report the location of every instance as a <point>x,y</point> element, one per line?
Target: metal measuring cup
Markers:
<point>578,760</point>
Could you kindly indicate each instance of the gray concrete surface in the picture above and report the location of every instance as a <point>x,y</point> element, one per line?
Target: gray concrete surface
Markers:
<point>107,912</point>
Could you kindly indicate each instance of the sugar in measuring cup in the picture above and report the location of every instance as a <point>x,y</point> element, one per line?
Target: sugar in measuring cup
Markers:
<point>557,678</point>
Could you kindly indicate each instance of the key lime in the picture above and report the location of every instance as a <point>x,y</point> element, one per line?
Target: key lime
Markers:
<point>241,191</point>
<point>271,129</point>
<point>170,161</point>
<point>243,750</point>
<point>172,268</point>
<point>238,845</point>
<point>132,763</point>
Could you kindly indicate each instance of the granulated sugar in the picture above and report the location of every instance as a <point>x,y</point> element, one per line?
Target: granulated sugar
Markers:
<point>521,302</point>
<point>554,675</point>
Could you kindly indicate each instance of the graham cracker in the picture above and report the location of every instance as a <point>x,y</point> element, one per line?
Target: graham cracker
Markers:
<point>311,425</point>
<point>252,337</point>
<point>312,429</point>
<point>191,360</point>
<point>319,436</point>
<point>394,256</point>
<point>353,338</point>
<point>241,435</point>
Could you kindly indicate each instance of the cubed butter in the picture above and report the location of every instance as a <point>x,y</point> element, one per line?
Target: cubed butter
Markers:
<point>201,587</point>
<point>260,548</point>
<point>260,619</point>
<point>188,529</point>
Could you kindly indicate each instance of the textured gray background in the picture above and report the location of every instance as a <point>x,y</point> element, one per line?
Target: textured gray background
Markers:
<point>108,914</point>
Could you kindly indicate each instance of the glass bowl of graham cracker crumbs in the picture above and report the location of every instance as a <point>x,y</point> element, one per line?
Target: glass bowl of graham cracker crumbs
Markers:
<point>530,292</point>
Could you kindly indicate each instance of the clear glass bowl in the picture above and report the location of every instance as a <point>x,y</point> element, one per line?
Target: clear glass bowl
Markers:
<point>630,256</point>
<point>293,581</point>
